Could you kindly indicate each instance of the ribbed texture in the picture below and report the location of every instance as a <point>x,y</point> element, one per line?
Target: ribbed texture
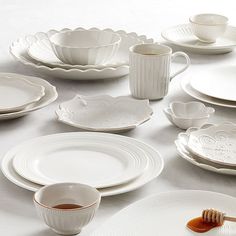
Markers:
<point>149,76</point>
<point>66,222</point>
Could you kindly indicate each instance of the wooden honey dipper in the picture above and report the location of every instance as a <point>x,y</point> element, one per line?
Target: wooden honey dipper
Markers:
<point>214,216</point>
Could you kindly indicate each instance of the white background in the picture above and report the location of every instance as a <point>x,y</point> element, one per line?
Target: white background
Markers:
<point>150,17</point>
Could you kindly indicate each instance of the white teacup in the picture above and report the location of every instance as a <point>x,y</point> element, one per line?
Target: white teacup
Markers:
<point>150,70</point>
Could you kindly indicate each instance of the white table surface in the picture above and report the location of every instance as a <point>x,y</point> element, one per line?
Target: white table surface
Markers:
<point>17,213</point>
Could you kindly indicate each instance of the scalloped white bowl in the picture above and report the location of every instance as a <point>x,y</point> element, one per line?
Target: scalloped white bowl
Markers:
<point>85,47</point>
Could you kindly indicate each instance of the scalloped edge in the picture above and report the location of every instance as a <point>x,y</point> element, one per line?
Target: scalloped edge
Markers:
<point>52,31</point>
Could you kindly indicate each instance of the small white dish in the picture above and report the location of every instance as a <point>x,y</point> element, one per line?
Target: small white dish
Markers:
<point>183,37</point>
<point>85,47</point>
<point>215,143</point>
<point>190,114</point>
<point>104,113</point>
<point>49,97</point>
<point>19,50</point>
<point>208,27</point>
<point>64,219</point>
<point>186,86</point>
<point>155,167</point>
<point>18,93</point>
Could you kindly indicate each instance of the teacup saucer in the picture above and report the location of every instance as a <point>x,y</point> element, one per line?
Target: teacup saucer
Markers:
<point>182,36</point>
<point>41,51</point>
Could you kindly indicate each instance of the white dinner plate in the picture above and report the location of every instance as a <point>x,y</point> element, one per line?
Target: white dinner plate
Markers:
<point>154,168</point>
<point>41,51</point>
<point>215,143</point>
<point>219,83</point>
<point>186,86</point>
<point>18,93</point>
<point>167,214</point>
<point>49,97</point>
<point>77,157</point>
<point>19,50</point>
<point>182,36</point>
<point>181,146</point>
<point>104,113</point>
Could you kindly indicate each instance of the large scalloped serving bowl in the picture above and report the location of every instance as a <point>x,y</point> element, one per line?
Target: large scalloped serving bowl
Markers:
<point>85,47</point>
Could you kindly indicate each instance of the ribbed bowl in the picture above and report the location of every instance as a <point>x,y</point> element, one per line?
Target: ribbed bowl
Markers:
<point>85,47</point>
<point>67,221</point>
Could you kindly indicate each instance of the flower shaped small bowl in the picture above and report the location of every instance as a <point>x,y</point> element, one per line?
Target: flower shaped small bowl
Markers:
<point>186,115</point>
<point>85,47</point>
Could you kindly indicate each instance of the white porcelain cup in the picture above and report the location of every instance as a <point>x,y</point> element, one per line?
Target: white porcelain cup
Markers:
<point>150,70</point>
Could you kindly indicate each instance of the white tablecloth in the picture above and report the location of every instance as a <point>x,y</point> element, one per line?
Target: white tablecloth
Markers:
<point>17,213</point>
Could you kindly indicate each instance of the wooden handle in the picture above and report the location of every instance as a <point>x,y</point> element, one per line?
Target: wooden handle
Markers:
<point>229,218</point>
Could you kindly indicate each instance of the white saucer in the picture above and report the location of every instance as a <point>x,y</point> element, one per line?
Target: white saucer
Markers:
<point>41,51</point>
<point>18,93</point>
<point>81,158</point>
<point>19,49</point>
<point>167,214</point>
<point>186,86</point>
<point>104,113</point>
<point>154,168</point>
<point>49,97</point>
<point>182,36</point>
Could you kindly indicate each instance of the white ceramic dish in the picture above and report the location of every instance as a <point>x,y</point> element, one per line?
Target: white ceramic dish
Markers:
<point>190,114</point>
<point>104,113</point>
<point>208,27</point>
<point>85,47</point>
<point>153,170</point>
<point>216,143</point>
<point>19,51</point>
<point>67,221</point>
<point>182,36</point>
<point>167,214</point>
<point>219,83</point>
<point>18,93</point>
<point>76,157</point>
<point>49,97</point>
<point>186,86</point>
<point>181,145</point>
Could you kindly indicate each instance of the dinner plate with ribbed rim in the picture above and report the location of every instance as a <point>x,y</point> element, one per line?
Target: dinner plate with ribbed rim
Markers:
<point>182,35</point>
<point>49,97</point>
<point>18,93</point>
<point>186,86</point>
<point>152,171</point>
<point>76,157</point>
<point>41,51</point>
<point>19,48</point>
<point>167,213</point>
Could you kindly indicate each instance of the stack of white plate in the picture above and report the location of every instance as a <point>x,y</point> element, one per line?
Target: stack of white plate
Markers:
<point>211,147</point>
<point>35,52</point>
<point>215,86</point>
<point>112,163</point>
<point>21,94</point>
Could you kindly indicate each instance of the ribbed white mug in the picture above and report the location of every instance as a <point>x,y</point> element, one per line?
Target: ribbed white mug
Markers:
<point>150,70</point>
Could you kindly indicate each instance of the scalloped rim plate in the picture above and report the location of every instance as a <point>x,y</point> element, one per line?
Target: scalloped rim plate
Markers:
<point>18,93</point>
<point>18,49</point>
<point>104,113</point>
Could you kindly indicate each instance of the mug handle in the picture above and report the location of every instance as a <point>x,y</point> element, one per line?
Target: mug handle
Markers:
<point>176,54</point>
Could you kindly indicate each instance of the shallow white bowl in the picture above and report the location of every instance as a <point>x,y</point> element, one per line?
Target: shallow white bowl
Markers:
<point>186,115</point>
<point>67,221</point>
<point>208,27</point>
<point>85,47</point>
